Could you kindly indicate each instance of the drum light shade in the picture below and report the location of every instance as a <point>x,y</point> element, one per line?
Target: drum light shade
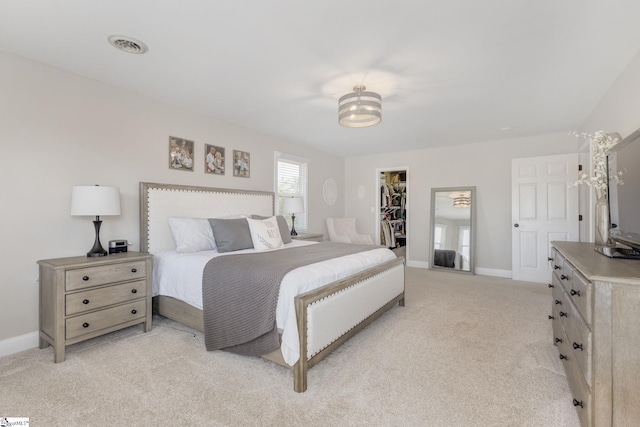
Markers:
<point>359,108</point>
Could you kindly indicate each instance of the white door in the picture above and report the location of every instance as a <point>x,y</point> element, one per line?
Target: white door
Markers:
<point>543,208</point>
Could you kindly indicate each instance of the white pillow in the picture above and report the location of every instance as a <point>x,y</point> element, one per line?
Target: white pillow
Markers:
<point>192,234</point>
<point>265,233</point>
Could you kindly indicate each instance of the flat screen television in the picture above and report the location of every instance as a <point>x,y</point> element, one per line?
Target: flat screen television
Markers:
<point>624,199</point>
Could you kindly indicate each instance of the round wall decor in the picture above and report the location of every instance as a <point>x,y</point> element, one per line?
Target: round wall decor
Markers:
<point>330,191</point>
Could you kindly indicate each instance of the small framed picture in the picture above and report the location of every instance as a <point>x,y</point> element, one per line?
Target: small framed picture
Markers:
<point>241,163</point>
<point>213,159</point>
<point>180,154</point>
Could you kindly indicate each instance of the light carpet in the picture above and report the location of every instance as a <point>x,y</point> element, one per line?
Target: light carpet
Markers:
<point>464,351</point>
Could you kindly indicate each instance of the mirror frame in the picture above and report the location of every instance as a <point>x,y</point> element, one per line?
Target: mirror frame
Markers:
<point>472,226</point>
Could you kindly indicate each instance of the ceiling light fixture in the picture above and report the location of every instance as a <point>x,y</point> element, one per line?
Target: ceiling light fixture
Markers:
<point>128,44</point>
<point>360,109</point>
<point>461,199</point>
<point>461,202</point>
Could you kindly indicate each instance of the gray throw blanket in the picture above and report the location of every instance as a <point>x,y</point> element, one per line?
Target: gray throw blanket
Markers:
<point>240,294</point>
<point>444,258</point>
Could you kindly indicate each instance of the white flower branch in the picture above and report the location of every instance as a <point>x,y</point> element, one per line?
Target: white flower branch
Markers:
<point>600,143</point>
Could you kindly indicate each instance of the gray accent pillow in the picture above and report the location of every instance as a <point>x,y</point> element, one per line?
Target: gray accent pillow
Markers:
<point>231,234</point>
<point>282,225</point>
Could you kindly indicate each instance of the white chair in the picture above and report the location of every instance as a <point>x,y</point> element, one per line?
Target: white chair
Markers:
<point>344,230</point>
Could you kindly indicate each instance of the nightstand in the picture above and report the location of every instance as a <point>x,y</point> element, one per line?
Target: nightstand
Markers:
<point>84,297</point>
<point>309,236</point>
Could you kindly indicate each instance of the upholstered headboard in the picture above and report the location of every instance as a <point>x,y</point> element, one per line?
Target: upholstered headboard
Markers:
<point>158,202</point>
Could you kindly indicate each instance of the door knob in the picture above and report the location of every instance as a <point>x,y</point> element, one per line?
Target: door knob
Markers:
<point>516,225</point>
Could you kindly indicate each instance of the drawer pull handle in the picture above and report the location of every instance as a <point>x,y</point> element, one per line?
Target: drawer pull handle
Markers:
<point>556,267</point>
<point>578,403</point>
<point>549,259</point>
<point>577,346</point>
<point>550,317</point>
<point>575,292</point>
<point>85,325</point>
<point>562,356</point>
<point>550,285</point>
<point>85,278</point>
<point>563,277</point>
<point>134,291</point>
<point>563,314</point>
<point>85,301</point>
<point>134,311</point>
<point>558,302</point>
<point>558,339</point>
<point>134,270</point>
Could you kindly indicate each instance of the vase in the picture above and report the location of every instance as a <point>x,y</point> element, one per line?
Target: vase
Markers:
<point>602,222</point>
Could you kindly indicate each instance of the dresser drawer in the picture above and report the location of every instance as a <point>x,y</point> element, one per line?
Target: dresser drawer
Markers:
<point>104,274</point>
<point>580,294</point>
<point>579,336</point>
<point>565,275</point>
<point>558,330</point>
<point>557,263</point>
<point>80,302</point>
<point>581,396</point>
<point>95,321</point>
<point>557,293</point>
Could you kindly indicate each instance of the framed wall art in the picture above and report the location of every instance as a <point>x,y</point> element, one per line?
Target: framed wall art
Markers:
<point>241,163</point>
<point>180,154</point>
<point>213,159</point>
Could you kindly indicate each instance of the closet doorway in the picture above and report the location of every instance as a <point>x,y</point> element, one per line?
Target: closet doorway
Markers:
<point>392,209</point>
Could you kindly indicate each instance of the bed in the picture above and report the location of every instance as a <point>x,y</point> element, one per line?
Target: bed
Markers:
<point>319,320</point>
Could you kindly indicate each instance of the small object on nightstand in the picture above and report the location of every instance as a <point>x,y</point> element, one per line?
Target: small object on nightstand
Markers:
<point>117,246</point>
<point>309,236</point>
<point>82,298</point>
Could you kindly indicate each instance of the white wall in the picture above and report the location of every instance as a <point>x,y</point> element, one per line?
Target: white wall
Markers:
<point>60,130</point>
<point>484,165</point>
<point>618,111</point>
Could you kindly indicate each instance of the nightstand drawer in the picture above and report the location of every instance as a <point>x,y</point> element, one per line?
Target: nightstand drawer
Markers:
<point>92,322</point>
<point>80,302</point>
<point>105,274</point>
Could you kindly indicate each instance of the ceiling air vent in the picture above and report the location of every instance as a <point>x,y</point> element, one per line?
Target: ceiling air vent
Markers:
<point>128,44</point>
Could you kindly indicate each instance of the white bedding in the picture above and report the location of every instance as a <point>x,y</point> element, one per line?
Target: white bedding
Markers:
<point>179,275</point>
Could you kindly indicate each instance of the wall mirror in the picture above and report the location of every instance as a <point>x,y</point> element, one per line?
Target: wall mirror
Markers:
<point>452,229</point>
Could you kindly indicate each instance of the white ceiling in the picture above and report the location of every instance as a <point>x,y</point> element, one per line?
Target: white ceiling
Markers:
<point>449,71</point>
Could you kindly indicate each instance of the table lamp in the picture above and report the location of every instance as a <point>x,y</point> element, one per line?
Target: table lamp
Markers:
<point>293,205</point>
<point>95,200</point>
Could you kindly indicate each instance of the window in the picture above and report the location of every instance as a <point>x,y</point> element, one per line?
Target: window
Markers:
<point>440,233</point>
<point>464,241</point>
<point>291,181</point>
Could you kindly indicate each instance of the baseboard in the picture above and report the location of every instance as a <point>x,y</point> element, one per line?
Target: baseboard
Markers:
<point>479,270</point>
<point>20,343</point>
<point>417,264</point>
<point>493,272</point>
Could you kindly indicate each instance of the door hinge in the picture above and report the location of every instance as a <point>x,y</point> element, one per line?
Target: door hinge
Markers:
<point>579,217</point>
<point>579,168</point>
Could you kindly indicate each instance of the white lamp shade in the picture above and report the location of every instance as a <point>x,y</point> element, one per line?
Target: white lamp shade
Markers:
<point>95,200</point>
<point>292,205</point>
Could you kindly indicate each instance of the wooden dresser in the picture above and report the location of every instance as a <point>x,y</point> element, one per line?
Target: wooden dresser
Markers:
<point>82,297</point>
<point>596,327</point>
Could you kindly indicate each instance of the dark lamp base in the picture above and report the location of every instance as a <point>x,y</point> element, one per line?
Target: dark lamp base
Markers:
<point>97,249</point>
<point>293,225</point>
